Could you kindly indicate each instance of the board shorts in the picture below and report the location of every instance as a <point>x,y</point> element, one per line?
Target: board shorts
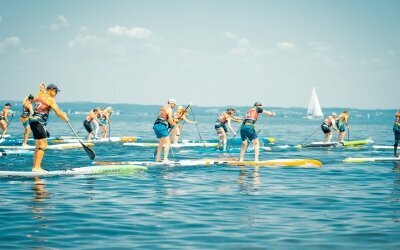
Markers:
<point>25,121</point>
<point>325,128</point>
<point>88,126</point>
<point>247,132</point>
<point>397,136</point>
<point>39,130</point>
<point>160,129</point>
<point>342,127</point>
<point>219,125</point>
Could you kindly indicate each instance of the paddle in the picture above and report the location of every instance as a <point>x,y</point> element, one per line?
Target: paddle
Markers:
<point>8,123</point>
<point>263,126</point>
<point>348,133</point>
<point>197,127</point>
<point>232,138</point>
<point>88,151</point>
<point>109,131</point>
<point>309,136</point>
<point>169,131</point>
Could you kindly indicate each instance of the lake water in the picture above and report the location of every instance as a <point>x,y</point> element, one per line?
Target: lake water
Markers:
<point>340,206</point>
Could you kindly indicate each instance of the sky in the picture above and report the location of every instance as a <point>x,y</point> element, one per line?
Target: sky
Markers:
<point>209,52</point>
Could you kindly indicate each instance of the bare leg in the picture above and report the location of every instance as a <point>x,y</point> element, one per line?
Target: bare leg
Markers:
<point>167,145</point>
<point>26,135</point>
<point>341,136</point>
<point>256,145</point>
<point>40,147</point>
<point>395,149</point>
<point>243,150</point>
<point>161,143</point>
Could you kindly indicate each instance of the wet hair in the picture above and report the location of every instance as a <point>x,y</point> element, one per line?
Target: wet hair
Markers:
<point>31,97</point>
<point>8,104</point>
<point>231,109</point>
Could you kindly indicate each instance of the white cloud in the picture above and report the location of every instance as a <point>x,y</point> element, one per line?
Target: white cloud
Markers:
<point>243,42</point>
<point>228,35</point>
<point>135,32</point>
<point>245,52</point>
<point>285,45</point>
<point>12,41</point>
<point>82,40</point>
<point>62,22</point>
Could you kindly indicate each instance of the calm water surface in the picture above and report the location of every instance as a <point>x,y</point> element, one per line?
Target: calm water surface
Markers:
<point>340,206</point>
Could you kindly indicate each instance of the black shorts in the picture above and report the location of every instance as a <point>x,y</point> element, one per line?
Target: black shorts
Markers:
<point>87,126</point>
<point>39,130</point>
<point>325,128</point>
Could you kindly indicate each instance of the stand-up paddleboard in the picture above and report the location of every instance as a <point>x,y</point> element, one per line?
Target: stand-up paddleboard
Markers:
<point>334,144</point>
<point>382,147</point>
<point>265,140</point>
<point>371,159</point>
<point>308,163</point>
<point>180,145</point>
<point>15,152</point>
<point>111,139</point>
<point>54,146</point>
<point>104,169</point>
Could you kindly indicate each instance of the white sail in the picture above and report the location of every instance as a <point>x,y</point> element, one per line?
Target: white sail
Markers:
<point>314,108</point>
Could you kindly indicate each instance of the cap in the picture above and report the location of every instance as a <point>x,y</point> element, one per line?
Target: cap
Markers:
<point>53,86</point>
<point>172,100</point>
<point>333,114</point>
<point>180,107</point>
<point>8,104</point>
<point>257,104</point>
<point>231,109</point>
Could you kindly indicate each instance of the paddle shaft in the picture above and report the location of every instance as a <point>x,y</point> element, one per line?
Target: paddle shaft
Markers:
<point>310,135</point>
<point>265,124</point>
<point>197,127</point>
<point>88,151</point>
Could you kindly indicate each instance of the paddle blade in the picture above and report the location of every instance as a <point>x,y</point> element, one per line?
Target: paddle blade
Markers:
<point>89,152</point>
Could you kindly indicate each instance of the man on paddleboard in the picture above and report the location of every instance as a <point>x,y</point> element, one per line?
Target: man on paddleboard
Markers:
<point>44,102</point>
<point>396,131</point>
<point>247,131</point>
<point>164,121</point>
<point>329,122</point>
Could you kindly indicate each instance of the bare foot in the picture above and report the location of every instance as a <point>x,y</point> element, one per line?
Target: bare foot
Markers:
<point>38,170</point>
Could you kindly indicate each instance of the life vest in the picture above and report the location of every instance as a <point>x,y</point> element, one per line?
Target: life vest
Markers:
<point>41,110</point>
<point>251,115</point>
<point>26,112</point>
<point>223,119</point>
<point>89,117</point>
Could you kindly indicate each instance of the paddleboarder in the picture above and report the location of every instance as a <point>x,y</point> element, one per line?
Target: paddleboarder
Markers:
<point>180,115</point>
<point>247,131</point>
<point>329,122</point>
<point>221,124</point>
<point>44,102</point>
<point>163,122</point>
<point>342,122</point>
<point>87,123</point>
<point>396,131</point>
<point>5,113</point>
<point>27,111</point>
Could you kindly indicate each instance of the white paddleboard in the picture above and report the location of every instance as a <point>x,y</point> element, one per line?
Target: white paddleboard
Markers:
<point>14,152</point>
<point>207,162</point>
<point>104,169</point>
<point>371,159</point>
<point>382,147</point>
<point>180,145</point>
<point>99,140</point>
<point>61,146</point>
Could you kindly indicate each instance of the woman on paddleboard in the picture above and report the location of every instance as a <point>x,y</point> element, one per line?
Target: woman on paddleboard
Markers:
<point>4,118</point>
<point>341,123</point>
<point>247,131</point>
<point>163,122</point>
<point>224,121</point>
<point>180,115</point>
<point>45,101</point>
<point>396,131</point>
<point>27,111</point>
<point>105,118</point>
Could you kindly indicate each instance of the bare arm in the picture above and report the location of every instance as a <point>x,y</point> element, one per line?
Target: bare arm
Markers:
<point>187,120</point>
<point>269,113</point>
<point>230,126</point>
<point>170,119</point>
<point>51,102</point>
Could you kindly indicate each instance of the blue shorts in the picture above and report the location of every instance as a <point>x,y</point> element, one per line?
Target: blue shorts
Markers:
<point>161,130</point>
<point>397,136</point>
<point>247,132</point>
<point>25,123</point>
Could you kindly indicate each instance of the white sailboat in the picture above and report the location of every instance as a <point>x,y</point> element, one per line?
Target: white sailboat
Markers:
<point>314,108</point>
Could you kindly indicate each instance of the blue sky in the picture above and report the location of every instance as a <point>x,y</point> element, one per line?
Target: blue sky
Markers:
<point>205,52</point>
